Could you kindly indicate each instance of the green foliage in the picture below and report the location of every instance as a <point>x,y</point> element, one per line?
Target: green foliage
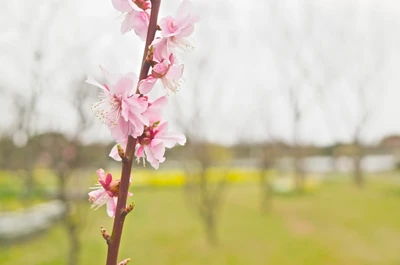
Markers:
<point>340,224</point>
<point>12,188</point>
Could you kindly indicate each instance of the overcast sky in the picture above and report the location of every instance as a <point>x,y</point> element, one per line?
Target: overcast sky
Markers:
<point>252,61</point>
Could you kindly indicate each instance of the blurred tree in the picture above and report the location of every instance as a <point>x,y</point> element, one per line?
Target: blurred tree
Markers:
<point>361,38</point>
<point>203,188</point>
<point>69,158</point>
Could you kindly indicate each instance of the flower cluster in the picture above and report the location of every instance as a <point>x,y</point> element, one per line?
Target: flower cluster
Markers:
<point>106,192</point>
<point>124,104</point>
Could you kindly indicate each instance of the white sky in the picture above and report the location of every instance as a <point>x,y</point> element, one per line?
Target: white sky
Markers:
<point>252,54</point>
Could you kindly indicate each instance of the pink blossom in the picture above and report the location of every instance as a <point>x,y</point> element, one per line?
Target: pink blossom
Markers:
<point>176,30</point>
<point>153,142</point>
<point>105,193</point>
<point>137,16</point>
<point>153,113</point>
<point>142,4</point>
<point>118,108</point>
<point>167,71</point>
<point>122,5</point>
<point>138,21</point>
<point>154,109</point>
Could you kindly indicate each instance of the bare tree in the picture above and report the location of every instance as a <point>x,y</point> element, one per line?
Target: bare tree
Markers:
<point>64,154</point>
<point>290,42</point>
<point>70,162</point>
<point>202,191</point>
<point>353,73</point>
<point>25,104</point>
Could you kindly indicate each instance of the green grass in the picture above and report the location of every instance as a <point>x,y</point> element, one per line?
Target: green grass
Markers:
<point>338,224</point>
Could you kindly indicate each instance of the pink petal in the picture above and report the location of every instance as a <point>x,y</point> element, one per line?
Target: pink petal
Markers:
<point>108,179</point>
<point>175,72</point>
<point>147,84</point>
<point>127,24</point>
<point>155,155</point>
<point>125,84</point>
<point>184,9</point>
<point>100,173</point>
<point>111,206</point>
<point>95,194</point>
<point>164,25</point>
<point>125,108</point>
<point>153,112</point>
<point>138,103</point>
<point>186,31</point>
<point>160,49</point>
<point>159,103</point>
<point>160,69</point>
<point>139,152</point>
<point>162,129</point>
<point>171,138</point>
<point>138,122</point>
<point>120,131</point>
<point>122,5</point>
<point>140,24</point>
<point>158,151</point>
<point>114,154</point>
<point>110,78</point>
<point>92,81</point>
<point>184,16</point>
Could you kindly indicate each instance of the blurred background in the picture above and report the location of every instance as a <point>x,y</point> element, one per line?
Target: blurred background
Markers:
<point>289,107</point>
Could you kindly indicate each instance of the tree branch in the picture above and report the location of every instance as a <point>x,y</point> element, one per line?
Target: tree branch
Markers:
<point>114,242</point>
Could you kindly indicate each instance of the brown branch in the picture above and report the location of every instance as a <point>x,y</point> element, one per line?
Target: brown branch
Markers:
<point>114,241</point>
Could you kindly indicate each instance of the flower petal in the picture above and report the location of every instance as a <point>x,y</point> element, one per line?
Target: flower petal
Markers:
<point>155,154</point>
<point>153,112</point>
<point>108,179</point>
<point>122,5</point>
<point>139,152</point>
<point>100,173</point>
<point>92,81</point>
<point>111,206</point>
<point>111,78</point>
<point>125,84</point>
<point>171,138</point>
<point>114,154</point>
<point>175,72</point>
<point>147,84</point>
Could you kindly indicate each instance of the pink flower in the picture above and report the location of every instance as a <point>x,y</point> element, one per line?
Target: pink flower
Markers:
<point>167,71</point>
<point>153,113</point>
<point>154,109</point>
<point>137,16</point>
<point>105,193</point>
<point>176,30</point>
<point>153,142</point>
<point>118,108</point>
<point>122,5</point>
<point>138,21</point>
<point>142,4</point>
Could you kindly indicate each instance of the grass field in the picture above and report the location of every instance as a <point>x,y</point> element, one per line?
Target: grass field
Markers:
<point>336,225</point>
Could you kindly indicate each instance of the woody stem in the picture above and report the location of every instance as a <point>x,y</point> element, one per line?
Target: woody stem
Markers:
<point>115,239</point>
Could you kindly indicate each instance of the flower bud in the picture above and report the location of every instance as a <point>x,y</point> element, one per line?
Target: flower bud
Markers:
<point>130,207</point>
<point>121,152</point>
<point>104,233</point>
<point>143,4</point>
<point>124,262</point>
